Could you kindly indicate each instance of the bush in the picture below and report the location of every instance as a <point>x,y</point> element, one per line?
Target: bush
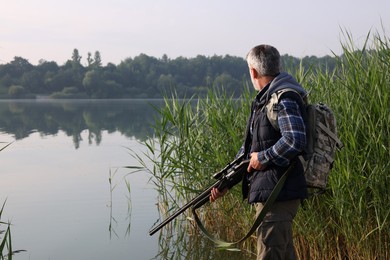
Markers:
<point>16,91</point>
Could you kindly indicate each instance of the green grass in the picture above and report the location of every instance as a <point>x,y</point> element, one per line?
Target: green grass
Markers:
<point>195,138</point>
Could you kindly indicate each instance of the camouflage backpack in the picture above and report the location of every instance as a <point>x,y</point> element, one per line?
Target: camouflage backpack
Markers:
<point>322,140</point>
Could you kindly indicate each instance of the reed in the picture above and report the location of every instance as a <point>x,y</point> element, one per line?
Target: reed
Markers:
<point>351,220</point>
<point>5,241</point>
<point>194,138</point>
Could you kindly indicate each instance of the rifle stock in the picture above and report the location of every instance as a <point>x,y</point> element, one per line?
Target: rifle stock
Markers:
<point>226,178</point>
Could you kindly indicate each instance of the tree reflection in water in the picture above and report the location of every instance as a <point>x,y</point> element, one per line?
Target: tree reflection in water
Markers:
<point>131,118</point>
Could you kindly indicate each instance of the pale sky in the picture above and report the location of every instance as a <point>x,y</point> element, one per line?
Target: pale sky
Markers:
<point>119,29</point>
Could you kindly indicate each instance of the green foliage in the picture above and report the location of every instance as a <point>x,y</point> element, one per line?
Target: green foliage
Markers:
<point>140,77</point>
<point>16,91</point>
<point>350,221</point>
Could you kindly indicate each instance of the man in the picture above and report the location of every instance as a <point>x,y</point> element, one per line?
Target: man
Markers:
<point>271,152</point>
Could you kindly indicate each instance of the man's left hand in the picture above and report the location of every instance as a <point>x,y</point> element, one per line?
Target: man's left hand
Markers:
<point>254,163</point>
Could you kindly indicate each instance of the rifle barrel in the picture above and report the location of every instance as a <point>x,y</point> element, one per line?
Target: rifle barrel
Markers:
<point>203,198</point>
<point>200,198</point>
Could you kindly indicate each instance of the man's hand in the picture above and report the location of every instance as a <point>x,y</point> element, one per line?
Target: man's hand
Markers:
<point>215,194</point>
<point>254,163</point>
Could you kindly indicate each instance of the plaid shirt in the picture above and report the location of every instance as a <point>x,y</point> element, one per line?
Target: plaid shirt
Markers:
<point>293,138</point>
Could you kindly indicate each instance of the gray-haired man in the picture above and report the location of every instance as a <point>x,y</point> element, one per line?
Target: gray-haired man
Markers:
<point>271,152</point>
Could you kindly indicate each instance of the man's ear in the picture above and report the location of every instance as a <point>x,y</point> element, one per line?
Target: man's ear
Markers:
<point>254,73</point>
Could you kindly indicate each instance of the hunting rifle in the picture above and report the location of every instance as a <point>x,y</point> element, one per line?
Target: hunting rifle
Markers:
<point>226,178</point>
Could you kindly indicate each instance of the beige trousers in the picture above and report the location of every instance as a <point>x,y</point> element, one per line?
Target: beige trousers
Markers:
<point>274,235</point>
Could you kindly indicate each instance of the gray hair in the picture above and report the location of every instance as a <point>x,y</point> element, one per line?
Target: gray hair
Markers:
<point>265,59</point>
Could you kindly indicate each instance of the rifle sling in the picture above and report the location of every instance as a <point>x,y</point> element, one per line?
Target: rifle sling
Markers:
<point>267,206</point>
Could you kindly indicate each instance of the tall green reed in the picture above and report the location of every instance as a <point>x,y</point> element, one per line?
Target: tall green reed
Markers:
<point>355,213</point>
<point>194,138</point>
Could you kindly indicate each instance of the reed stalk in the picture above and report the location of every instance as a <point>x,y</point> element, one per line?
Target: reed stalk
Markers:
<point>5,241</point>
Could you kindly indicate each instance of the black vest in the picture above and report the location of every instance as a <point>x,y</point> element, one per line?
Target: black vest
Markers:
<point>258,185</point>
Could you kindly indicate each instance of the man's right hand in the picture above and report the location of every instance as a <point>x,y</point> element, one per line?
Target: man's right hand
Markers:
<point>215,194</point>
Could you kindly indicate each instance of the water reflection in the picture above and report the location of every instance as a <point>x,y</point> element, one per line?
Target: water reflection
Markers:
<point>113,222</point>
<point>182,238</point>
<point>131,118</point>
<point>178,244</point>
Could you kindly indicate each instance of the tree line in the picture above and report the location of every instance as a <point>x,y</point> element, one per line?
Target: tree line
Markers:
<point>140,77</point>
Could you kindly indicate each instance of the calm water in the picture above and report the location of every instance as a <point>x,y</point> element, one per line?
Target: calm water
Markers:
<point>55,177</point>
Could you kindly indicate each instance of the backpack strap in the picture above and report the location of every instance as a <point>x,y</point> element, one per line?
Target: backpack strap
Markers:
<point>272,106</point>
<point>331,134</point>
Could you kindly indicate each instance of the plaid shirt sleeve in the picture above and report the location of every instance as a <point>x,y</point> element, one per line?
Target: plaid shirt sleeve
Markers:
<point>293,138</point>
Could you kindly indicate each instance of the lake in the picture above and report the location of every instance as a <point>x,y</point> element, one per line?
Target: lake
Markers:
<point>55,177</point>
<point>68,195</point>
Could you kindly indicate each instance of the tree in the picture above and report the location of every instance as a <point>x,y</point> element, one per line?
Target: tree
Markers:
<point>89,60</point>
<point>112,89</point>
<point>76,58</point>
<point>6,80</point>
<point>17,67</point>
<point>165,58</point>
<point>58,81</point>
<point>32,80</point>
<point>227,82</point>
<point>97,63</point>
<point>16,91</point>
<point>46,66</point>
<point>91,82</point>
<point>78,70</point>
<point>165,83</point>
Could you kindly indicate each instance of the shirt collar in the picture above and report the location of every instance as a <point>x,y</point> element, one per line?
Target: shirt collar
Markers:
<point>263,91</point>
